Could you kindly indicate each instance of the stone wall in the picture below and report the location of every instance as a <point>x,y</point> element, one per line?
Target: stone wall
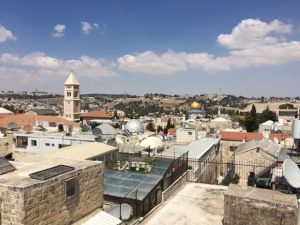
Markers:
<point>12,205</point>
<point>250,206</point>
<point>225,147</point>
<point>45,202</point>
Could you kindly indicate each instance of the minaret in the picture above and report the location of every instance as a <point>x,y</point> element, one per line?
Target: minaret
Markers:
<point>72,98</point>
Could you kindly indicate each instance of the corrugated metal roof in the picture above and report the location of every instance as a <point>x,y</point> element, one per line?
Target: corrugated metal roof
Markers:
<point>107,129</point>
<point>264,144</point>
<point>196,149</point>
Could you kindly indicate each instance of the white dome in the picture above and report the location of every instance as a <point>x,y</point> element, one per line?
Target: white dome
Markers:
<point>134,126</point>
<point>220,119</point>
<point>152,142</point>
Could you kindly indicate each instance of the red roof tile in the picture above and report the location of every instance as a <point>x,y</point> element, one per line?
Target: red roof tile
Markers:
<point>172,131</point>
<point>24,119</point>
<point>248,136</point>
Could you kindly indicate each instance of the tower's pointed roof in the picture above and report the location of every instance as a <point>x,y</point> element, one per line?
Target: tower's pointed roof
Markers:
<point>72,79</point>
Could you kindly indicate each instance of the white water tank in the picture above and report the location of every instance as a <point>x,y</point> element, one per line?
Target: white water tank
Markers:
<point>296,129</point>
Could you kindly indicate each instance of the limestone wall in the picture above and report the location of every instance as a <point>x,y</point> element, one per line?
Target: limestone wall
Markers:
<point>45,202</point>
<point>250,206</point>
<point>12,205</point>
<point>226,151</point>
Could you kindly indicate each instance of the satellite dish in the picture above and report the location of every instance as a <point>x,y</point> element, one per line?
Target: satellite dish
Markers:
<point>266,135</point>
<point>291,173</point>
<point>41,128</point>
<point>12,126</point>
<point>96,132</point>
<point>27,128</point>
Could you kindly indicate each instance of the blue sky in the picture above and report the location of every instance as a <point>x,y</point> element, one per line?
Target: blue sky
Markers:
<point>249,48</point>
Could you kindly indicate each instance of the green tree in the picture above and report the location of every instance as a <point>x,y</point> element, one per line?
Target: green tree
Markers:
<point>169,124</point>
<point>286,106</point>
<point>251,122</point>
<point>266,115</point>
<point>159,128</point>
<point>150,127</point>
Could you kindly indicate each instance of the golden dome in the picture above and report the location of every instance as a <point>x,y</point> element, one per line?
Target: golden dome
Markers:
<point>195,105</point>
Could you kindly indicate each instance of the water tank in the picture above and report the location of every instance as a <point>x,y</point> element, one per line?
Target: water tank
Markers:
<point>296,129</point>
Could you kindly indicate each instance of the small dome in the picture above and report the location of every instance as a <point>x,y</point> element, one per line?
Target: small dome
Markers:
<point>134,126</point>
<point>152,142</point>
<point>195,105</point>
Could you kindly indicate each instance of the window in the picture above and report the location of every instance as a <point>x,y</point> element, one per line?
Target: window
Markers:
<point>33,142</point>
<point>190,133</point>
<point>47,144</point>
<point>70,187</point>
<point>69,94</point>
<point>52,145</point>
<point>232,148</point>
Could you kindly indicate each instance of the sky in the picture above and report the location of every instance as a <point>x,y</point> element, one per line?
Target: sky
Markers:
<point>249,48</point>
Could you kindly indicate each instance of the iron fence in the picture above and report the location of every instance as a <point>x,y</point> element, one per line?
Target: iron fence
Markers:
<point>220,171</point>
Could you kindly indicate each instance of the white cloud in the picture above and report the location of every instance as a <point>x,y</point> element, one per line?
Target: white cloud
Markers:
<point>86,27</point>
<point>6,35</point>
<point>37,65</point>
<point>96,26</point>
<point>149,62</point>
<point>253,32</point>
<point>252,43</point>
<point>59,30</point>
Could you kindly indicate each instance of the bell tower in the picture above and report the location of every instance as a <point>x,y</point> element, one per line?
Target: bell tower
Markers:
<point>72,98</point>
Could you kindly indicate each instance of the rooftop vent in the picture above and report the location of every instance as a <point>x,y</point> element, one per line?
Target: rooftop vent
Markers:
<point>51,172</point>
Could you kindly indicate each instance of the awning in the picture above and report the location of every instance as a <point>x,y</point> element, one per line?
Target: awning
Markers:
<point>99,217</point>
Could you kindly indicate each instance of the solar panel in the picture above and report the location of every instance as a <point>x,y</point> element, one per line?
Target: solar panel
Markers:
<point>51,172</point>
<point>5,166</point>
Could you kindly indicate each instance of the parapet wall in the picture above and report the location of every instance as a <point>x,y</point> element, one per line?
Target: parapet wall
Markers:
<point>254,206</point>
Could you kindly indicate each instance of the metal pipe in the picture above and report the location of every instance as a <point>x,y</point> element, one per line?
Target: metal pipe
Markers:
<point>298,216</point>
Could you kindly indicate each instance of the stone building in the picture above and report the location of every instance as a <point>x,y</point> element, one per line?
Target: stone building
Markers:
<point>72,98</point>
<point>254,157</point>
<point>59,191</point>
<point>231,140</point>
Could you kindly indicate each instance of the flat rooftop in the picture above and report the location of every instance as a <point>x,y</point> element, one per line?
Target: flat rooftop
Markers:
<point>194,203</point>
<point>83,151</point>
<point>20,177</point>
